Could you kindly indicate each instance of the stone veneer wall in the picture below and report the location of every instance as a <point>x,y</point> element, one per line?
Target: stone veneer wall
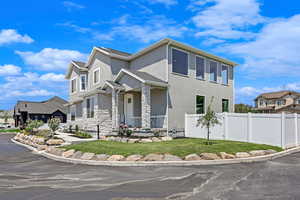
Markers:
<point>146,106</point>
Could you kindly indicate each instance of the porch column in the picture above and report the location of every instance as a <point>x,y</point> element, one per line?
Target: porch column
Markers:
<point>115,108</point>
<point>146,106</point>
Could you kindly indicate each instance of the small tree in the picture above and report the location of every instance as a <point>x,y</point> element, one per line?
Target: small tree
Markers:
<point>53,125</point>
<point>208,120</point>
<point>5,116</point>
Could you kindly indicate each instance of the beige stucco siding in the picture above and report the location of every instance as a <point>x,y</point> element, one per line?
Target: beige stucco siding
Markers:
<point>117,65</point>
<point>183,90</point>
<point>154,63</point>
<point>129,82</point>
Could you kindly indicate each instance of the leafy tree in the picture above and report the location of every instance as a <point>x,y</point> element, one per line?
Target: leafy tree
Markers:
<point>244,108</point>
<point>33,124</point>
<point>208,120</point>
<point>53,125</point>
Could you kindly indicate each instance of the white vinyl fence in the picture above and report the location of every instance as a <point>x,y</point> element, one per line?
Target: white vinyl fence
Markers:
<point>281,130</point>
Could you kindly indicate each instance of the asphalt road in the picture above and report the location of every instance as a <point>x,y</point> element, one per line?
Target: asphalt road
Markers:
<point>24,176</point>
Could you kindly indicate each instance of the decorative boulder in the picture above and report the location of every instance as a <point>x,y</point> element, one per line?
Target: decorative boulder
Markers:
<point>209,156</point>
<point>40,140</point>
<point>115,158</point>
<point>87,156</point>
<point>124,140</point>
<point>145,140</point>
<point>41,147</point>
<point>166,138</point>
<point>257,153</point>
<point>55,151</point>
<point>270,151</point>
<point>156,139</point>
<point>101,157</point>
<point>242,155</point>
<point>69,153</point>
<point>224,155</point>
<point>192,157</point>
<point>153,157</point>
<point>134,157</point>
<point>55,142</point>
<point>77,155</point>
<point>169,157</point>
<point>133,140</point>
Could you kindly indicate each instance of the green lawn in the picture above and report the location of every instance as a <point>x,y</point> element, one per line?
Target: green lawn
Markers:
<point>9,130</point>
<point>179,147</point>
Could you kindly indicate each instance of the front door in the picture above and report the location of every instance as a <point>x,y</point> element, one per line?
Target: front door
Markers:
<point>128,109</point>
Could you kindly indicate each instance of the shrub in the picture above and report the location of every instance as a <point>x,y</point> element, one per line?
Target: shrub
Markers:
<point>33,124</point>
<point>53,125</point>
<point>156,133</point>
<point>44,133</point>
<point>70,129</point>
<point>76,128</point>
<point>83,135</point>
<point>128,133</point>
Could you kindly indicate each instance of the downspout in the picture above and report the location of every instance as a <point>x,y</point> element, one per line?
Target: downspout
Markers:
<point>167,54</point>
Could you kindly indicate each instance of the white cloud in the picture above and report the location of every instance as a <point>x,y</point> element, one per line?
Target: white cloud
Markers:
<point>226,19</point>
<point>53,77</point>
<point>212,41</point>
<point>75,27</point>
<point>165,2</point>
<point>156,28</point>
<point>8,36</point>
<point>8,70</point>
<point>72,5</point>
<point>51,59</point>
<point>274,52</point>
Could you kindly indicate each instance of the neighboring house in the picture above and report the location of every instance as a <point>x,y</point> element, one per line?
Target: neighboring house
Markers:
<point>152,88</point>
<point>44,110</point>
<point>6,116</point>
<point>276,102</point>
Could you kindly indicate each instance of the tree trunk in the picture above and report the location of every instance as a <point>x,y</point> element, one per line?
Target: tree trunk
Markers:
<point>207,135</point>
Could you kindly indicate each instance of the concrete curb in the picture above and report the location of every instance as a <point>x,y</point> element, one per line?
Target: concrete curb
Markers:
<point>162,163</point>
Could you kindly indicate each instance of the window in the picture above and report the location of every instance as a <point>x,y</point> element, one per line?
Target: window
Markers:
<point>73,113</point>
<point>90,107</point>
<point>224,75</point>
<point>200,104</point>
<point>82,82</point>
<point>200,67</point>
<point>298,102</point>
<point>73,85</point>
<point>261,102</point>
<point>96,76</point>
<point>179,62</point>
<point>225,105</point>
<point>213,71</point>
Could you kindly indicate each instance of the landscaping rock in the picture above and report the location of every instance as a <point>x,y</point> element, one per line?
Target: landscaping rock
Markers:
<point>134,157</point>
<point>124,140</point>
<point>69,153</point>
<point>191,157</point>
<point>153,157</point>
<point>145,140</point>
<point>115,158</point>
<point>41,147</point>
<point>55,142</point>
<point>257,153</point>
<point>155,139</point>
<point>242,155</point>
<point>166,138</point>
<point>40,140</point>
<point>102,137</point>
<point>169,157</point>
<point>224,155</point>
<point>55,151</point>
<point>77,155</point>
<point>87,156</point>
<point>270,151</point>
<point>101,157</point>
<point>133,140</point>
<point>209,156</point>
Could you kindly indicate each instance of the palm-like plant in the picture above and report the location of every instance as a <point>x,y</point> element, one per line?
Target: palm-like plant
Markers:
<point>208,120</point>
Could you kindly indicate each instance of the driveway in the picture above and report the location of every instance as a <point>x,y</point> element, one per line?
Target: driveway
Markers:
<point>25,176</point>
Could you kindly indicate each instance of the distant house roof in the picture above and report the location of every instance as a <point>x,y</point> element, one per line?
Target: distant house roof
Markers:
<point>276,95</point>
<point>43,107</point>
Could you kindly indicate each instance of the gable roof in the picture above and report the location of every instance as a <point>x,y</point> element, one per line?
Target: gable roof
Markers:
<point>278,94</point>
<point>80,65</point>
<point>44,107</point>
<point>121,53</point>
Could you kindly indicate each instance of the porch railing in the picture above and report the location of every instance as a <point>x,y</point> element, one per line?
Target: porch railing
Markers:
<point>156,121</point>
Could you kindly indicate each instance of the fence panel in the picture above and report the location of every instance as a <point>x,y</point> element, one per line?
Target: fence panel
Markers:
<point>290,136</point>
<point>237,127</point>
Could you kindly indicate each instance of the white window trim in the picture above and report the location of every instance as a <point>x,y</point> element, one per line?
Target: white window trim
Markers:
<point>205,99</point>
<point>196,67</point>
<point>188,61</point>
<point>72,92</point>
<point>81,82</point>
<point>216,81</point>
<point>98,69</point>
<point>222,64</point>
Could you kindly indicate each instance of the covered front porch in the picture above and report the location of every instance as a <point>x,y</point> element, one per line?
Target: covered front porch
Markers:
<point>137,101</point>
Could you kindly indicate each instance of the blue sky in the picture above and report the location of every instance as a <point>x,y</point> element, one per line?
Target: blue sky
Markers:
<point>39,38</point>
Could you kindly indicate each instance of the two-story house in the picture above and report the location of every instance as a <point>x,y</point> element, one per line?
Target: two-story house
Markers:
<point>152,88</point>
<point>276,102</point>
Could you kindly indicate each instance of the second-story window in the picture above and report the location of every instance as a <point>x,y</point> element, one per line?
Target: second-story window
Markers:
<point>213,66</point>
<point>96,76</point>
<point>82,82</point>
<point>224,74</point>
<point>179,62</point>
<point>200,67</point>
<point>73,85</point>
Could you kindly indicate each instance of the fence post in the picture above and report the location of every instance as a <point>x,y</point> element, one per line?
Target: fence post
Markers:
<point>296,128</point>
<point>249,131</point>
<point>283,130</point>
<point>225,125</point>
